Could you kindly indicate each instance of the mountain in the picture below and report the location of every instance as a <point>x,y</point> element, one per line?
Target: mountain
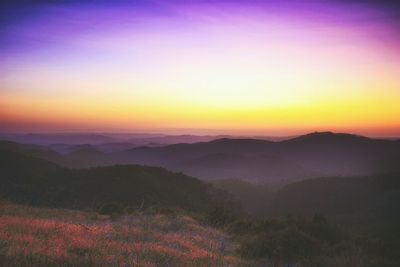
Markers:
<point>333,154</point>
<point>31,180</point>
<point>312,155</point>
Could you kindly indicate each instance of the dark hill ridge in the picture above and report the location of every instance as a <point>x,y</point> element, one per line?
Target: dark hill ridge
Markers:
<point>80,156</point>
<point>342,154</point>
<point>174,139</point>
<point>327,136</point>
<point>39,151</point>
<point>32,180</point>
<point>379,194</point>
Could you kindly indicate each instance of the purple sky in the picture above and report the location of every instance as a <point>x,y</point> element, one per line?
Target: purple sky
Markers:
<point>227,64</point>
<point>30,25</point>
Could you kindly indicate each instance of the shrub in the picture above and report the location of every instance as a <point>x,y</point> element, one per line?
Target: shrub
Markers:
<point>288,244</point>
<point>241,226</point>
<point>220,216</point>
<point>319,218</point>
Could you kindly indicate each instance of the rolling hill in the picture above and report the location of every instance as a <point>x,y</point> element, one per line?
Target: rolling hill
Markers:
<point>340,195</point>
<point>31,180</point>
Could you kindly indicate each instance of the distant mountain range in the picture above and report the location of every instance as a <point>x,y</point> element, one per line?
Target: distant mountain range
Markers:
<point>113,142</point>
<point>109,141</point>
<point>26,176</point>
<point>270,162</point>
<point>312,155</point>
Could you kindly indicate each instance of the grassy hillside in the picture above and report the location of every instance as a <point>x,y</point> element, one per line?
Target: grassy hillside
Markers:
<point>379,194</point>
<point>56,237</point>
<point>368,206</point>
<point>336,221</point>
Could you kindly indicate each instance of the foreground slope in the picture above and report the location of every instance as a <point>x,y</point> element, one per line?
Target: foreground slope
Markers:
<point>55,237</point>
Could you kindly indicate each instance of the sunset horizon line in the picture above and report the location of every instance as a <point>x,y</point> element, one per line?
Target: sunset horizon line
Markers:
<point>202,133</point>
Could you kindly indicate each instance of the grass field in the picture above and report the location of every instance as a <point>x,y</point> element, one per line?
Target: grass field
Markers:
<point>31,236</point>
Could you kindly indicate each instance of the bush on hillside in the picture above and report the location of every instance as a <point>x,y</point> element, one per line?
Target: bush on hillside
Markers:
<point>289,244</point>
<point>221,216</point>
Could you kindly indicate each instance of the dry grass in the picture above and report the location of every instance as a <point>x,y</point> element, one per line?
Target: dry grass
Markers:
<point>55,237</point>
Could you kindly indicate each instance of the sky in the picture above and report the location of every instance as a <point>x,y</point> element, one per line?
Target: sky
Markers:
<point>202,67</point>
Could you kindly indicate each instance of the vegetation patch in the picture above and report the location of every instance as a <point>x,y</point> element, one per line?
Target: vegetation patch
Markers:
<point>134,240</point>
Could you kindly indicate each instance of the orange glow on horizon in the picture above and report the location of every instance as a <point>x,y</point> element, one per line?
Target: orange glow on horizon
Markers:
<point>365,117</point>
